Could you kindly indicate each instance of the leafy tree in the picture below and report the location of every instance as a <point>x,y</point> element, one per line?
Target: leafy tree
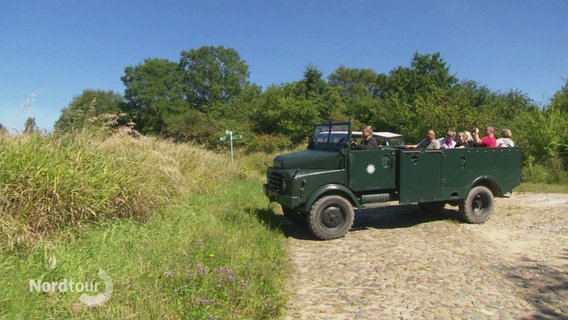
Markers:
<point>411,93</point>
<point>86,106</point>
<point>559,110</point>
<point>357,82</point>
<point>154,90</point>
<point>207,85</point>
<point>317,94</point>
<point>281,112</point>
<point>312,86</point>
<point>560,100</point>
<point>30,126</point>
<point>542,133</point>
<point>3,130</point>
<point>212,75</point>
<point>359,90</point>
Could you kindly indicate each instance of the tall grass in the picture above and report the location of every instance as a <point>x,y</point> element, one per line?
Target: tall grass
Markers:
<point>50,183</point>
<point>179,230</point>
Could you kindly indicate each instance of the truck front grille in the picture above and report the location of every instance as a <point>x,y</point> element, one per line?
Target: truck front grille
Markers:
<point>275,181</point>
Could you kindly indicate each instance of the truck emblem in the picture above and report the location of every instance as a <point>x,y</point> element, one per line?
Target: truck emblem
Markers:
<point>371,169</point>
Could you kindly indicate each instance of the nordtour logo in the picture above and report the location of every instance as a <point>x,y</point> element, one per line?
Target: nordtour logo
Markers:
<point>70,285</point>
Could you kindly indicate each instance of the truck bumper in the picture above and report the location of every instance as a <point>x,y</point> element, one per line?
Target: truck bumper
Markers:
<point>284,200</point>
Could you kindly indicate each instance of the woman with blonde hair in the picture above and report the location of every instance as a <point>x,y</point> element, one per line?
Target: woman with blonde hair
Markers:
<point>462,141</point>
<point>505,140</point>
<point>465,140</point>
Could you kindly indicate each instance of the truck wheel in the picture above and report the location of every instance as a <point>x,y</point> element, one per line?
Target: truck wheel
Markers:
<point>478,205</point>
<point>331,217</point>
<point>295,216</point>
<point>432,207</point>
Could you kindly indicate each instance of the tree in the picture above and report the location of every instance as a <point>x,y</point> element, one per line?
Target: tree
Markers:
<point>357,82</point>
<point>86,106</point>
<point>206,87</point>
<point>410,92</point>
<point>560,100</point>
<point>312,86</point>
<point>280,111</point>
<point>3,130</point>
<point>212,75</point>
<point>30,126</point>
<point>427,73</point>
<point>542,133</point>
<point>359,90</point>
<point>154,91</point>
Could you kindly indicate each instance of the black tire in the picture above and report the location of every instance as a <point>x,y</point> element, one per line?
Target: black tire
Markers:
<point>295,216</point>
<point>478,206</point>
<point>432,207</point>
<point>331,217</point>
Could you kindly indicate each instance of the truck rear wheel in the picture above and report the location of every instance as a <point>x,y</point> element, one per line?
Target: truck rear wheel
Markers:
<point>331,217</point>
<point>478,205</point>
<point>295,216</point>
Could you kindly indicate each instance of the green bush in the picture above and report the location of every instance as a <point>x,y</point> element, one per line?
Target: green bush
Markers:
<point>550,172</point>
<point>269,143</point>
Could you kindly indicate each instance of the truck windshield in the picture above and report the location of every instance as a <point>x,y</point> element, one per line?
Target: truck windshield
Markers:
<point>330,136</point>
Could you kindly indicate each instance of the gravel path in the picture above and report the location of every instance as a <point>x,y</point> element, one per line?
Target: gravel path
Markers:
<point>399,263</point>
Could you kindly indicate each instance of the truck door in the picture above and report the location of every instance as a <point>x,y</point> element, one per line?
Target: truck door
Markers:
<point>372,169</point>
<point>420,175</point>
<point>454,173</point>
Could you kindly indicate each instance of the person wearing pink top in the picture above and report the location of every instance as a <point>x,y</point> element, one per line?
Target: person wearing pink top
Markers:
<point>488,141</point>
<point>448,141</point>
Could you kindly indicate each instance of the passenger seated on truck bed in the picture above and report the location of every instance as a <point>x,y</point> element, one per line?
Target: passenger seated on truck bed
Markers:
<point>448,142</point>
<point>488,141</point>
<point>463,141</point>
<point>368,142</point>
<point>505,140</point>
<point>429,142</point>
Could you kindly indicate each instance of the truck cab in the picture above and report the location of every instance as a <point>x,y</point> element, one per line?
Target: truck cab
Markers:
<point>323,185</point>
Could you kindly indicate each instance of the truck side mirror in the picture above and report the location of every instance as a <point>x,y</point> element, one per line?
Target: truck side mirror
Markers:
<point>312,144</point>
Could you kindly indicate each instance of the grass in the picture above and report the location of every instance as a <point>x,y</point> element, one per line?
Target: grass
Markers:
<point>212,258</point>
<point>203,252</point>
<point>542,188</point>
<point>50,183</point>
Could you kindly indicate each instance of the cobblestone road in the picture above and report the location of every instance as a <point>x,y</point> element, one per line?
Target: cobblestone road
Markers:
<point>399,263</point>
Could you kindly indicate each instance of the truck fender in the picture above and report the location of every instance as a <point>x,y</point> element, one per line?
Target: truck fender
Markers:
<point>336,189</point>
<point>489,182</point>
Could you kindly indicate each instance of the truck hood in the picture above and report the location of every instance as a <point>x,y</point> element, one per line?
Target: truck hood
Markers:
<point>309,159</point>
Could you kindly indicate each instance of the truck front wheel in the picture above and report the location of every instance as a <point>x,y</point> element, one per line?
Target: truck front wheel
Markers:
<point>331,217</point>
<point>478,205</point>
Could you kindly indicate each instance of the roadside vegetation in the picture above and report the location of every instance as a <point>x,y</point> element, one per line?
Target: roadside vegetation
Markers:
<point>182,232</point>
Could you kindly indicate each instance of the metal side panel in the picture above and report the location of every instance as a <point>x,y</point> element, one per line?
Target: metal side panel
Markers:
<point>420,173</point>
<point>372,170</point>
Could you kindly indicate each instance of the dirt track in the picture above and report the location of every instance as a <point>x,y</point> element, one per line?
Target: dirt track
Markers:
<point>399,263</point>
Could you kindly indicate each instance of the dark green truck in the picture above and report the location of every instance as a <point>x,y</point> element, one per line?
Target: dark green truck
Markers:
<point>322,185</point>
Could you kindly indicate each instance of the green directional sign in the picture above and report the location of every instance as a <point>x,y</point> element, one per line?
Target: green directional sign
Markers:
<point>230,137</point>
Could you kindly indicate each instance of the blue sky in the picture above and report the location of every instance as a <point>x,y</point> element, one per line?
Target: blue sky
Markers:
<point>51,50</point>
